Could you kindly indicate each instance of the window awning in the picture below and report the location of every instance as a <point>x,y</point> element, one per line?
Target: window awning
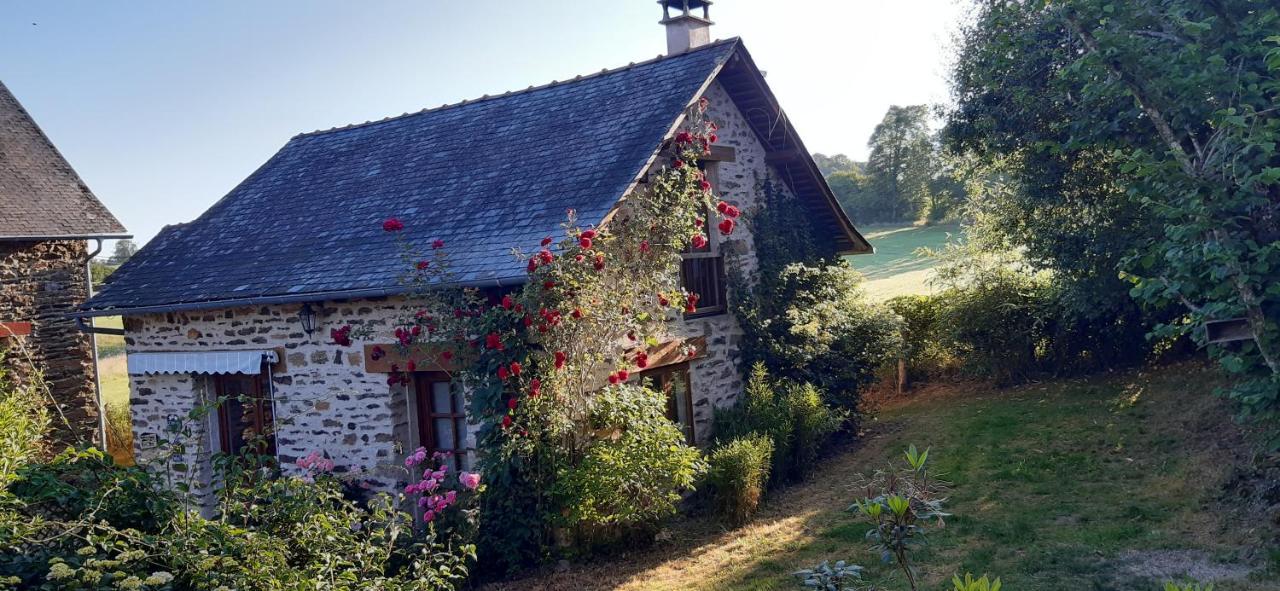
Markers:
<point>205,362</point>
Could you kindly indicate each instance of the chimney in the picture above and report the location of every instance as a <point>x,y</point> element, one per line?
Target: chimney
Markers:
<point>686,30</point>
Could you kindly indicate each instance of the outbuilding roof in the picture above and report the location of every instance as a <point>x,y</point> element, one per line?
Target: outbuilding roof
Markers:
<point>41,197</point>
<point>485,176</point>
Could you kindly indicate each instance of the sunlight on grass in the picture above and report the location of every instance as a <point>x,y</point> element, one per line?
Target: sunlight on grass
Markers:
<point>1074,484</point>
<point>895,268</point>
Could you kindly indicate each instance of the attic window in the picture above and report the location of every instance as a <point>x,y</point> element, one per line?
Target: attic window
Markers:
<point>702,271</point>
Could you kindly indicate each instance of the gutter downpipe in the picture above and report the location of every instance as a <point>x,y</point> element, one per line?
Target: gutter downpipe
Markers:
<point>93,343</point>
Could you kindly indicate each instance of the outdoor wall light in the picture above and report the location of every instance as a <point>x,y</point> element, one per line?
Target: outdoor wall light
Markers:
<point>307,317</point>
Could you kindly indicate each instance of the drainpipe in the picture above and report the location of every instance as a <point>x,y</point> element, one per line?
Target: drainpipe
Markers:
<point>93,341</point>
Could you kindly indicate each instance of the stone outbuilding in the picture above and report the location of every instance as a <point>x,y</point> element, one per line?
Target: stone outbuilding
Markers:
<point>48,218</point>
<point>239,302</point>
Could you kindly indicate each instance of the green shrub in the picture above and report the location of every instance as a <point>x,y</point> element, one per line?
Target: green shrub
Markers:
<point>738,474</point>
<point>840,576</point>
<point>968,583</point>
<point>23,421</point>
<point>923,346</point>
<point>813,324</point>
<point>80,522</point>
<point>634,474</point>
<point>792,415</point>
<point>119,431</point>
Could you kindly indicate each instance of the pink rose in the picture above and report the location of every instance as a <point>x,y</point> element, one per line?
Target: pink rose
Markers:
<point>471,480</point>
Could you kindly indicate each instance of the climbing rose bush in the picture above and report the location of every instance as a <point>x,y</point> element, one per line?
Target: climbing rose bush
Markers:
<point>572,441</point>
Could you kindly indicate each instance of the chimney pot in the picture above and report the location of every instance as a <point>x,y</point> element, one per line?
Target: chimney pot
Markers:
<point>686,30</point>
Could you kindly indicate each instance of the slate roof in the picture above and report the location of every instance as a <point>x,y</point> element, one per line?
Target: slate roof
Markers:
<point>485,176</point>
<point>40,194</point>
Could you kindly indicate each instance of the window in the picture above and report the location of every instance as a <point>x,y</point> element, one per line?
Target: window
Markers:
<point>702,271</point>
<point>673,381</point>
<point>245,417</point>
<point>442,416</point>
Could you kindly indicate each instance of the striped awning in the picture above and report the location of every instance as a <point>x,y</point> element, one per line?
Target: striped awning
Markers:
<point>203,362</point>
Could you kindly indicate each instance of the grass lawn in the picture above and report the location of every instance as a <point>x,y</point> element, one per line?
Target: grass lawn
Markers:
<point>895,269</point>
<point>1106,483</point>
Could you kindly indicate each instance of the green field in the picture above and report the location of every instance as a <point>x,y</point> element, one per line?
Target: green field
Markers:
<point>896,269</point>
<point>111,363</point>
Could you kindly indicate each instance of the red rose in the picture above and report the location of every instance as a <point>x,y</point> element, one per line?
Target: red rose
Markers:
<point>722,207</point>
<point>560,359</point>
<point>623,375</point>
<point>699,241</point>
<point>535,387</point>
<point>506,421</point>
<point>662,300</point>
<point>678,164</point>
<point>732,212</point>
<point>684,137</point>
<point>545,257</point>
<point>588,234</point>
<point>546,241</point>
<point>341,336</point>
<point>493,341</point>
<point>503,374</point>
<point>726,226</point>
<point>691,303</point>
<point>644,246</point>
<point>417,330</point>
<point>704,185</point>
<point>422,265</point>
<point>512,403</point>
<point>698,222</point>
<point>392,225</point>
<point>527,321</point>
<point>613,378</point>
<point>412,366</point>
<point>713,138</point>
<point>437,244</point>
<point>599,264</point>
<point>576,313</point>
<point>516,368</point>
<point>584,242</point>
<point>642,362</point>
<point>446,355</point>
<point>548,284</point>
<point>507,302</point>
<point>579,258</point>
<point>377,353</point>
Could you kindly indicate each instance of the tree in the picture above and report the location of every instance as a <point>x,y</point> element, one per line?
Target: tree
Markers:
<point>837,163</point>
<point>1141,142</point>
<point>900,163</point>
<point>852,189</point>
<point>125,249</point>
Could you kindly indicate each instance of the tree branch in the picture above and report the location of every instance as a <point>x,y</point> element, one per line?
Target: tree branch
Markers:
<point>1163,128</point>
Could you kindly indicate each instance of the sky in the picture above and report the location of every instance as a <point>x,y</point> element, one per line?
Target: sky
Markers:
<point>163,107</point>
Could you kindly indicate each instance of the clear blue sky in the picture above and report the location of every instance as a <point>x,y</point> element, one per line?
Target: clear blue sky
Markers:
<point>163,106</point>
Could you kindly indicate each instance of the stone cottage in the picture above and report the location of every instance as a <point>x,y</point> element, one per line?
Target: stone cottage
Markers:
<point>240,301</point>
<point>47,219</point>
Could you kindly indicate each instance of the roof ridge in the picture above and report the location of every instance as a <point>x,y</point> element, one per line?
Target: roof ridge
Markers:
<point>487,97</point>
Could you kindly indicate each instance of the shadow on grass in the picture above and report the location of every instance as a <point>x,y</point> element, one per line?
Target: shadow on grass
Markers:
<point>1054,486</point>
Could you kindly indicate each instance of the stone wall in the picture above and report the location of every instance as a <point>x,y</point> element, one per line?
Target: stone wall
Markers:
<point>717,379</point>
<point>40,283</point>
<point>325,400</point>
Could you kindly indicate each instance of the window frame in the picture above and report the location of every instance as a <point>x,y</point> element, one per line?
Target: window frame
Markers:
<point>661,378</point>
<point>712,254</point>
<point>264,403</point>
<point>425,415</point>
